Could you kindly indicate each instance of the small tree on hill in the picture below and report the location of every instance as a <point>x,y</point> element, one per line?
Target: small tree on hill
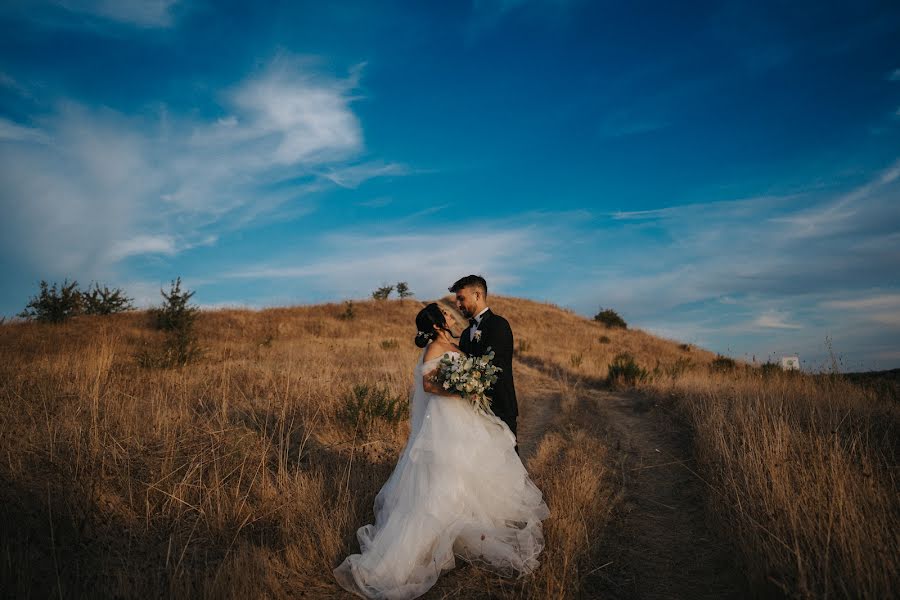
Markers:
<point>176,317</point>
<point>53,305</point>
<point>105,301</point>
<point>383,292</point>
<point>722,364</point>
<point>403,290</point>
<point>175,313</point>
<point>348,314</point>
<point>610,318</point>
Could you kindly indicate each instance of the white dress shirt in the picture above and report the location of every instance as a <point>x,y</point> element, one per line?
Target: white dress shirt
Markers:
<point>477,318</point>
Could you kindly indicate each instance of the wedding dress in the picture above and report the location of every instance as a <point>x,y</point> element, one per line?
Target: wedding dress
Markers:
<point>459,489</point>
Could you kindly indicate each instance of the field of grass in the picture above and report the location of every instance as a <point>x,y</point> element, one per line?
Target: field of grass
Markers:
<point>803,471</point>
<point>247,473</point>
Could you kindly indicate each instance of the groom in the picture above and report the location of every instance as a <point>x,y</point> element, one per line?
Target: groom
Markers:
<point>487,329</point>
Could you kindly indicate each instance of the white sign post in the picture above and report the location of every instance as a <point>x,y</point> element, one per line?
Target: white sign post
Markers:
<point>790,363</point>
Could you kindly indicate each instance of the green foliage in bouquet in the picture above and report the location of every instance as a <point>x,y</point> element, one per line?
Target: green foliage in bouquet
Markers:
<point>469,376</point>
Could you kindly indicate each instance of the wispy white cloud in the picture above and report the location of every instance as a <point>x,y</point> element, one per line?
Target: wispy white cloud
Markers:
<point>135,13</point>
<point>773,319</point>
<point>351,263</point>
<point>879,308</point>
<point>9,83</point>
<point>104,186</point>
<point>891,319</point>
<point>351,176</point>
<point>772,256</point>
<point>866,303</point>
<point>728,210</point>
<point>150,244</point>
<point>143,244</point>
<point>295,115</point>
<point>13,132</point>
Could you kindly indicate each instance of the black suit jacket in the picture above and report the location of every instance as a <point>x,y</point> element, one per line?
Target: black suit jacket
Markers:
<point>497,335</point>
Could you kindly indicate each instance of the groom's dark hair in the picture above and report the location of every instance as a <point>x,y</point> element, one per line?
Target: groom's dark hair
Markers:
<point>470,281</point>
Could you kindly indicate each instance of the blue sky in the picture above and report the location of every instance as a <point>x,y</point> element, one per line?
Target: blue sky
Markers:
<point>723,173</point>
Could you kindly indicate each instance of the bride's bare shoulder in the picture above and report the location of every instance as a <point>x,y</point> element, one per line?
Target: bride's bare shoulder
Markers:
<point>437,348</point>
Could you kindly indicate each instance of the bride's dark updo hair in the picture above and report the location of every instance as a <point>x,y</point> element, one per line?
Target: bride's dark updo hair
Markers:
<point>427,318</point>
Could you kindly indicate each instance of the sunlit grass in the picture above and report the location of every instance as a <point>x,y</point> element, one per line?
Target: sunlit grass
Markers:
<point>241,475</point>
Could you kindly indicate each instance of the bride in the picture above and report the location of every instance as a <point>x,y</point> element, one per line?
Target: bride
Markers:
<point>459,489</point>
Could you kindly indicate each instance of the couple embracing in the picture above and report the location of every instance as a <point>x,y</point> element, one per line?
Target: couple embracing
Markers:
<point>459,488</point>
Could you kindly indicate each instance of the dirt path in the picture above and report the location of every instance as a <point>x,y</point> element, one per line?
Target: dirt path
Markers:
<point>660,543</point>
<point>657,544</point>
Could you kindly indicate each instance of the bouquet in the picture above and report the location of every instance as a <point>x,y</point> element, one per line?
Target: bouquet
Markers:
<point>469,376</point>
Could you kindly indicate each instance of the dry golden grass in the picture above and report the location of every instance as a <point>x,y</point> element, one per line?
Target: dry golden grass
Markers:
<point>232,477</point>
<point>802,470</point>
<point>237,476</point>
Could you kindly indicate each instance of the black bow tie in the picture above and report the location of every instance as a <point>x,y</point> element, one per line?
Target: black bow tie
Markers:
<point>473,323</point>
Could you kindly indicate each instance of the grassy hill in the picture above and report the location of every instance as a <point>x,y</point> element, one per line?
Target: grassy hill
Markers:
<point>247,473</point>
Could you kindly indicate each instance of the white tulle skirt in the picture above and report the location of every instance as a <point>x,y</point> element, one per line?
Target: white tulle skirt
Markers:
<point>459,489</point>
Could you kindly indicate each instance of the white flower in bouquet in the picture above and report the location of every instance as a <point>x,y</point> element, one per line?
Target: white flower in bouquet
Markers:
<point>469,376</point>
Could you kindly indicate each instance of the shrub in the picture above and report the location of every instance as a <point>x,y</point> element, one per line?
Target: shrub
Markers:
<point>523,346</point>
<point>52,305</point>
<point>347,315</point>
<point>364,404</point>
<point>722,364</point>
<point>391,344</point>
<point>685,347</point>
<point>575,360</point>
<point>681,366</point>
<point>769,369</point>
<point>603,339</point>
<point>383,292</point>
<point>403,290</point>
<point>105,301</point>
<point>624,370</point>
<point>177,318</point>
<point>175,313</point>
<point>611,319</point>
